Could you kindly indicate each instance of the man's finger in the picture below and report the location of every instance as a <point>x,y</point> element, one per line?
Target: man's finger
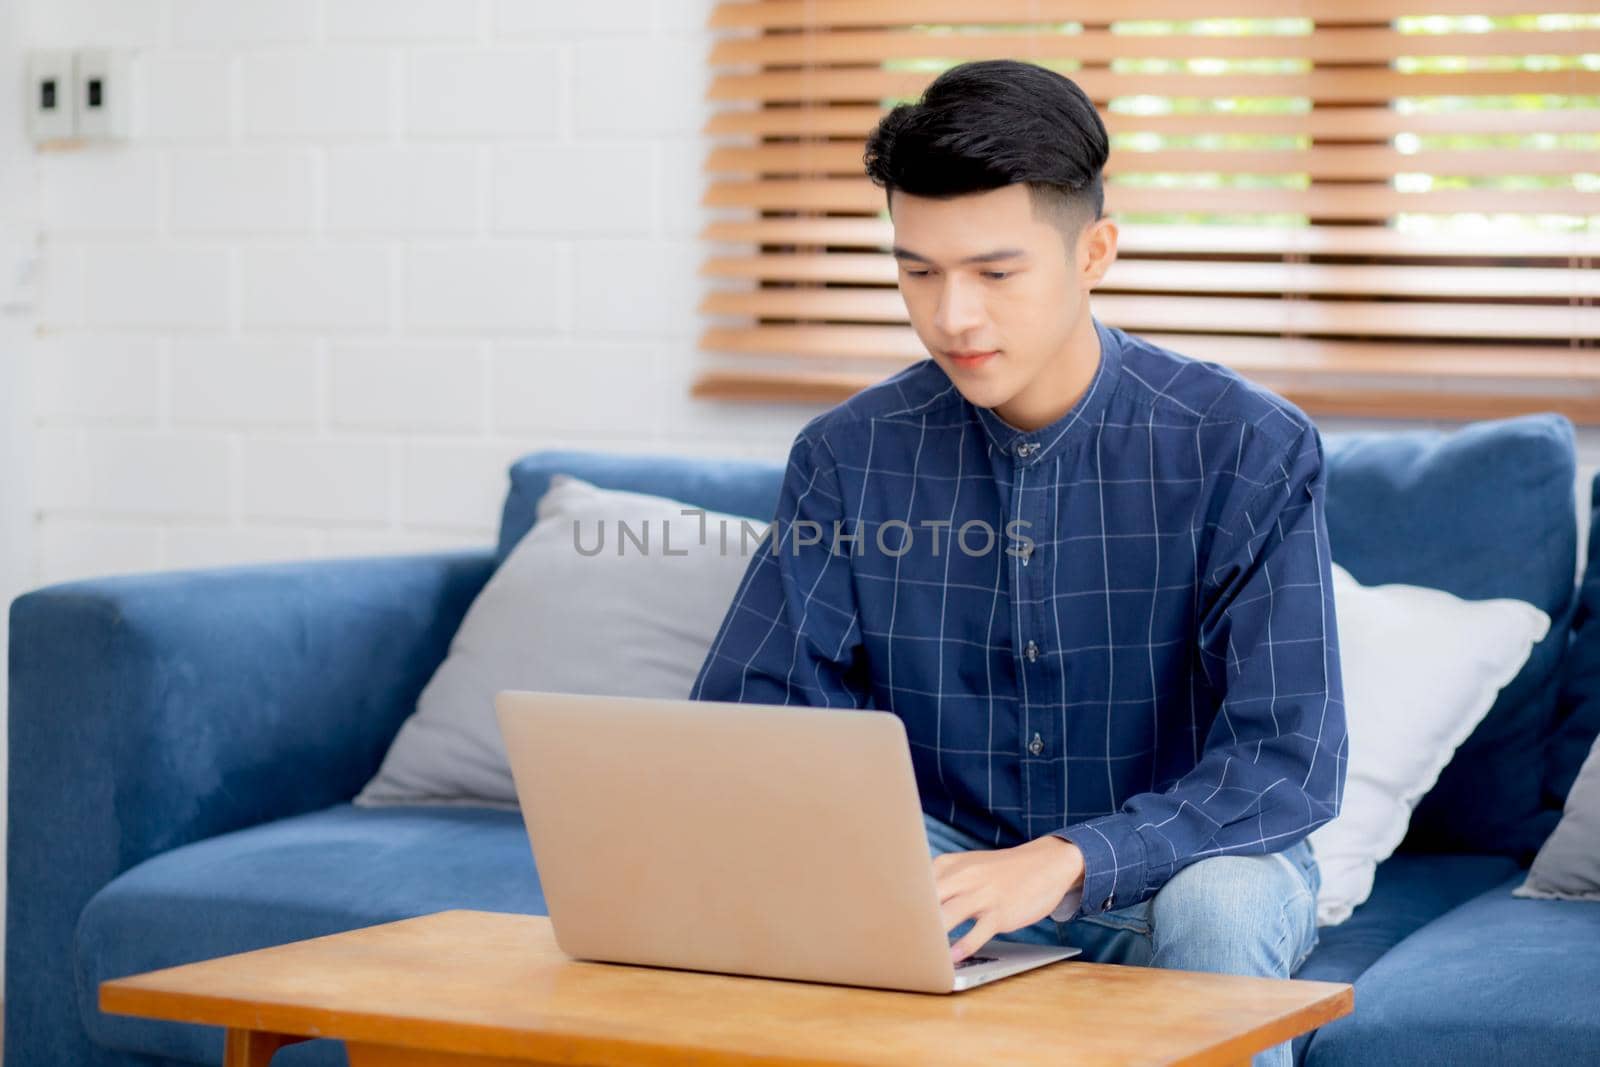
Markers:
<point>975,939</point>
<point>955,879</point>
<point>958,910</point>
<point>951,884</point>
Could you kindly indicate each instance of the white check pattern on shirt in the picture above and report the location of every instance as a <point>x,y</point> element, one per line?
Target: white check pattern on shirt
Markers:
<point>1157,681</point>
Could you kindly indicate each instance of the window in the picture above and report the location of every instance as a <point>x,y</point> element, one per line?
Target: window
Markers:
<point>1375,208</point>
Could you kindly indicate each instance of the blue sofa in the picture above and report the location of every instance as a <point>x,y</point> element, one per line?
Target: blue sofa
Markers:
<point>184,747</point>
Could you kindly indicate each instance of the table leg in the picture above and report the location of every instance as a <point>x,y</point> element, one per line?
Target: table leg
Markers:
<point>252,1048</point>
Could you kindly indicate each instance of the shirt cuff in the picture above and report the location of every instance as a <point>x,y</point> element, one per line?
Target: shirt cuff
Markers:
<point>1068,909</point>
<point>1113,866</point>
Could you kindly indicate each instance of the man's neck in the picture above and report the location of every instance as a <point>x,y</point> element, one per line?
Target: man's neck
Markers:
<point>1061,384</point>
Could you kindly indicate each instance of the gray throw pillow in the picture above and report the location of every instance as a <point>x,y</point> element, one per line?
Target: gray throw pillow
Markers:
<point>636,618</point>
<point>1568,864</point>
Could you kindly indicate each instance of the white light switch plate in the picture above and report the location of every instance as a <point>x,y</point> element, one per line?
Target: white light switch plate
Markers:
<point>101,94</point>
<point>50,101</point>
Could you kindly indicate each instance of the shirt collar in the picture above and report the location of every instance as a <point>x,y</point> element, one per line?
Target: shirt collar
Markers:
<point>1027,447</point>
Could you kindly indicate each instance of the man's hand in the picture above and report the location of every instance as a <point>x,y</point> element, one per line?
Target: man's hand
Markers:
<point>1004,889</point>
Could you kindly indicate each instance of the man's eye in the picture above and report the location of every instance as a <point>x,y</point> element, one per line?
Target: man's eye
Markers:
<point>996,275</point>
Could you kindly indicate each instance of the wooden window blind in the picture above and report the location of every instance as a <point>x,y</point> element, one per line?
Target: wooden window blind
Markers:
<point>1374,207</point>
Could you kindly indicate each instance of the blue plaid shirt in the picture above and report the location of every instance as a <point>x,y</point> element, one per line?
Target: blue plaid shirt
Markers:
<point>1118,629</point>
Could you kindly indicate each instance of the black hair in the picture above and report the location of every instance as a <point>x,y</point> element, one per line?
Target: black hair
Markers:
<point>992,123</point>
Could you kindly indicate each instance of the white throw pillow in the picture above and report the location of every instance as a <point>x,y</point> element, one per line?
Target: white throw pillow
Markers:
<point>1421,668</point>
<point>626,621</point>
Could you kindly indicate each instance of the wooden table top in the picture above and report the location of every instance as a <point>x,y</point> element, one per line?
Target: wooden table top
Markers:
<point>496,985</point>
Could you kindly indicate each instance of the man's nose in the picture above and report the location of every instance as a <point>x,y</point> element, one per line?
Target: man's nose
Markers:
<point>960,307</point>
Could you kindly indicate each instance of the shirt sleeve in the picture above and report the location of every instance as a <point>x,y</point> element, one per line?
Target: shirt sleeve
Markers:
<point>792,634</point>
<point>1273,765</point>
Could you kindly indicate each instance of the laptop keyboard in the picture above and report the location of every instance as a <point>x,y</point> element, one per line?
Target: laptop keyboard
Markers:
<point>973,961</point>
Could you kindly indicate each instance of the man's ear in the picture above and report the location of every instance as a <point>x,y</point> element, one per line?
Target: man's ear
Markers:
<point>1097,250</point>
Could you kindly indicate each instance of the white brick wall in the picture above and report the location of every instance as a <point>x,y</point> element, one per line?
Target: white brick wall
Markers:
<point>19,215</point>
<point>312,287</point>
<point>112,23</point>
<point>243,190</point>
<point>183,96</point>
<point>98,191</point>
<point>594,189</point>
<point>487,288</point>
<point>383,190</point>
<point>419,21</point>
<point>424,387</point>
<point>484,93</point>
<point>85,378</point>
<point>153,286</point>
<point>317,94</point>
<point>206,23</point>
<point>358,256</point>
<point>244,383</point>
<point>336,481</point>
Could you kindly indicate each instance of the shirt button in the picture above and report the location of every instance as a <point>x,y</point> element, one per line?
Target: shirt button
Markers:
<point>1036,746</point>
<point>1031,651</point>
<point>1026,448</point>
<point>1027,552</point>
<point>1105,905</point>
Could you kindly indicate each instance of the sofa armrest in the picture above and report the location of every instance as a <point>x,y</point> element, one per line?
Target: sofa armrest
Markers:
<point>149,711</point>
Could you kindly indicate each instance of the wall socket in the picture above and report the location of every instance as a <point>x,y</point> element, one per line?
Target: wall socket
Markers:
<point>77,96</point>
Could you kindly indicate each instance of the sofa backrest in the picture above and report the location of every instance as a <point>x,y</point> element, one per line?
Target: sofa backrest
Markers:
<point>737,487</point>
<point>1486,510</point>
<point>1578,709</point>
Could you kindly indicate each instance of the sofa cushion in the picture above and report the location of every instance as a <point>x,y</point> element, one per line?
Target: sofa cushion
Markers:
<point>1498,979</point>
<point>1408,892</point>
<point>657,603</point>
<point>336,869</point>
<point>1426,507</point>
<point>736,486</point>
<point>1422,667</point>
<point>1568,866</point>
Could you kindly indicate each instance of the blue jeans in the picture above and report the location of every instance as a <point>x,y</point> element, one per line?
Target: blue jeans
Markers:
<point>1251,915</point>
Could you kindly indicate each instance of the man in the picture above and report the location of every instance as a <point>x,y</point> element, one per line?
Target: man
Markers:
<point>1090,575</point>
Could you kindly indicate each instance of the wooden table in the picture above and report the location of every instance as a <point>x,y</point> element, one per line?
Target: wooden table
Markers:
<point>481,989</point>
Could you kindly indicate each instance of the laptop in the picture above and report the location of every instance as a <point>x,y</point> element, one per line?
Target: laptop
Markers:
<point>779,842</point>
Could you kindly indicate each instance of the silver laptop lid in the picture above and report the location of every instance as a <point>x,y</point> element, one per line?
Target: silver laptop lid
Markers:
<point>743,838</point>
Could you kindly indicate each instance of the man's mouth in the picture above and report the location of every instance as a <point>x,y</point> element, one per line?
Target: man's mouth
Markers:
<point>971,358</point>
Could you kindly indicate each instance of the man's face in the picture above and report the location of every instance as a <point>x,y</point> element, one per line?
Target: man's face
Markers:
<point>1025,300</point>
